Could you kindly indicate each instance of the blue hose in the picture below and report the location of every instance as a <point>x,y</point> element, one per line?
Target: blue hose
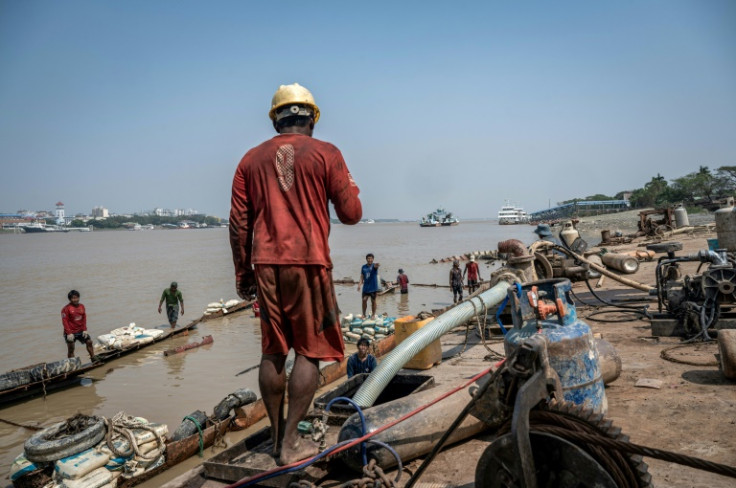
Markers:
<point>362,422</point>
<point>392,451</point>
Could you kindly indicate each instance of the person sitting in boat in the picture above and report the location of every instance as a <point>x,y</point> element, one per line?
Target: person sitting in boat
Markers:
<point>369,282</point>
<point>456,282</point>
<point>74,320</point>
<point>173,298</point>
<point>403,282</point>
<point>471,269</point>
<point>361,361</point>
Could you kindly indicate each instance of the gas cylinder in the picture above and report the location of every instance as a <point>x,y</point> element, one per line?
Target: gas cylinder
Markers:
<point>726,226</point>
<point>569,233</point>
<point>681,219</point>
<point>545,307</point>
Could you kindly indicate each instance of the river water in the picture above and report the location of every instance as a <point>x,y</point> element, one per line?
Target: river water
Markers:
<point>121,275</point>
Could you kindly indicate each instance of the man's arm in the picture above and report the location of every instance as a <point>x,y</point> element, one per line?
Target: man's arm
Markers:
<point>161,302</point>
<point>343,191</point>
<point>181,301</point>
<point>241,237</point>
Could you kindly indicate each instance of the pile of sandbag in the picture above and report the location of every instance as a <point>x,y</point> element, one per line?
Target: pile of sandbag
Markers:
<point>127,337</point>
<point>221,306</point>
<point>79,453</point>
<point>353,328</point>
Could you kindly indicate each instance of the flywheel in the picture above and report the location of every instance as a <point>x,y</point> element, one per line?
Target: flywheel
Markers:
<point>561,462</point>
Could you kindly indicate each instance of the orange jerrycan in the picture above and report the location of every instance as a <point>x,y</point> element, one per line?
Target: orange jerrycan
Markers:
<point>427,357</point>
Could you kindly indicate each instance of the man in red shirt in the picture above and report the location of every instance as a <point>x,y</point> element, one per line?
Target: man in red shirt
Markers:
<point>280,224</point>
<point>471,268</point>
<point>74,319</point>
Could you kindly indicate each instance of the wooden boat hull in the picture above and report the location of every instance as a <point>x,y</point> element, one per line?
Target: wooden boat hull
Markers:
<point>72,377</point>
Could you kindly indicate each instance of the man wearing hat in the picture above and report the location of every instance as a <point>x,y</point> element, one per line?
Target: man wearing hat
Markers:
<point>545,234</point>
<point>471,269</point>
<point>173,298</point>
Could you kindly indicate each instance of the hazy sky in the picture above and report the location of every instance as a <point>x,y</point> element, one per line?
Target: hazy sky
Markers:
<point>140,104</point>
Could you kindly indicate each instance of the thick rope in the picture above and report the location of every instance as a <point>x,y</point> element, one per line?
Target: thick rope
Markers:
<point>201,435</point>
<point>123,425</point>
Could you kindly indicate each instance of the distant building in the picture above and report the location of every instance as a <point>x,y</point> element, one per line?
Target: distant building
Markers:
<point>100,212</point>
<point>60,218</point>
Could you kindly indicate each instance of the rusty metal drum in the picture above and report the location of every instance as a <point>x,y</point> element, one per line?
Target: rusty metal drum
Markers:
<point>545,307</point>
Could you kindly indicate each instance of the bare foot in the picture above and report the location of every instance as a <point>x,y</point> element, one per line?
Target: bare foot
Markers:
<point>302,449</point>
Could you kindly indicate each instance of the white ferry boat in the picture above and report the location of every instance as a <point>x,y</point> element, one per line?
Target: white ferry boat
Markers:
<point>511,214</point>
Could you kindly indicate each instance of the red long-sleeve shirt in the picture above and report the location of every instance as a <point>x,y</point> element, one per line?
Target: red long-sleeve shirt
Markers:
<point>279,209</point>
<point>74,318</point>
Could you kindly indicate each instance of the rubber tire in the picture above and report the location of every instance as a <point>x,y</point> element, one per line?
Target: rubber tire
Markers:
<point>39,449</point>
<point>14,379</point>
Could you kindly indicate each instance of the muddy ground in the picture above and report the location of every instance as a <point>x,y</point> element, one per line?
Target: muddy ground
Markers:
<point>693,412</point>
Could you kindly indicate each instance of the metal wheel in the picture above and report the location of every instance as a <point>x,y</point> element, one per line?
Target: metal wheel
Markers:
<point>560,462</point>
<point>542,267</point>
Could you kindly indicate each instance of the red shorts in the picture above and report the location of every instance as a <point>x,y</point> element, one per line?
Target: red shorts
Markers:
<point>299,311</point>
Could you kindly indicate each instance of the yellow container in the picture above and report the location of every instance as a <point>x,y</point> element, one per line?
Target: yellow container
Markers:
<point>427,357</point>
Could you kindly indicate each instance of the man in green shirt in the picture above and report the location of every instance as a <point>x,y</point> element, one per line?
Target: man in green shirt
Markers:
<point>173,298</point>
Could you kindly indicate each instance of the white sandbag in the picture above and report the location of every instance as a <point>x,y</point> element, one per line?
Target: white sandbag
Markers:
<point>142,435</point>
<point>155,333</point>
<point>382,330</point>
<point>144,449</point>
<point>107,340</point>
<point>214,305</point>
<point>352,335</point>
<point>149,464</point>
<point>143,339</point>
<point>96,479</point>
<point>80,465</point>
<point>369,323</point>
<point>232,303</point>
<point>378,337</point>
<point>213,310</point>
<point>369,337</point>
<point>22,466</point>
<point>369,331</point>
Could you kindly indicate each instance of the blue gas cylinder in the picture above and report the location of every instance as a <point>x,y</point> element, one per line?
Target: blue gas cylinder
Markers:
<point>545,307</point>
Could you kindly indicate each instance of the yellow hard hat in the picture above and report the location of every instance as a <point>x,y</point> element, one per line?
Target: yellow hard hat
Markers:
<point>293,94</point>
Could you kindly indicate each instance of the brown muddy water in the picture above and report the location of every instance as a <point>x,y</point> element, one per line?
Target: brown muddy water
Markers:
<point>120,276</point>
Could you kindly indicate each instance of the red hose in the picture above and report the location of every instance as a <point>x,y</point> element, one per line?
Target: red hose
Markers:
<point>375,432</point>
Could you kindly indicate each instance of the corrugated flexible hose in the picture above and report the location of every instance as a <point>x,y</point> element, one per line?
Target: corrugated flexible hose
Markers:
<point>402,354</point>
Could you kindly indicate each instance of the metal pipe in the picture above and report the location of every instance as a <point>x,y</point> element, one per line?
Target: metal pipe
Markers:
<point>381,376</point>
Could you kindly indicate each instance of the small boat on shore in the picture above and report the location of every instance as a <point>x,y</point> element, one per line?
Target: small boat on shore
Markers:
<point>23,383</point>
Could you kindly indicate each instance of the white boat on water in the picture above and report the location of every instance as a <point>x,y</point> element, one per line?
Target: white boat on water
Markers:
<point>511,214</point>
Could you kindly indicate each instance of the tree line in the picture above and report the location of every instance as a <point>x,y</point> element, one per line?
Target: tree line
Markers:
<point>118,221</point>
<point>703,186</point>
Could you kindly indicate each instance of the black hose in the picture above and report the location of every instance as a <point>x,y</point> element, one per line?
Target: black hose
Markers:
<point>640,310</point>
<point>592,316</point>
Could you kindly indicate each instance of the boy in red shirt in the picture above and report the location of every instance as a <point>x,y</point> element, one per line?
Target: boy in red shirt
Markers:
<point>471,268</point>
<point>74,319</point>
